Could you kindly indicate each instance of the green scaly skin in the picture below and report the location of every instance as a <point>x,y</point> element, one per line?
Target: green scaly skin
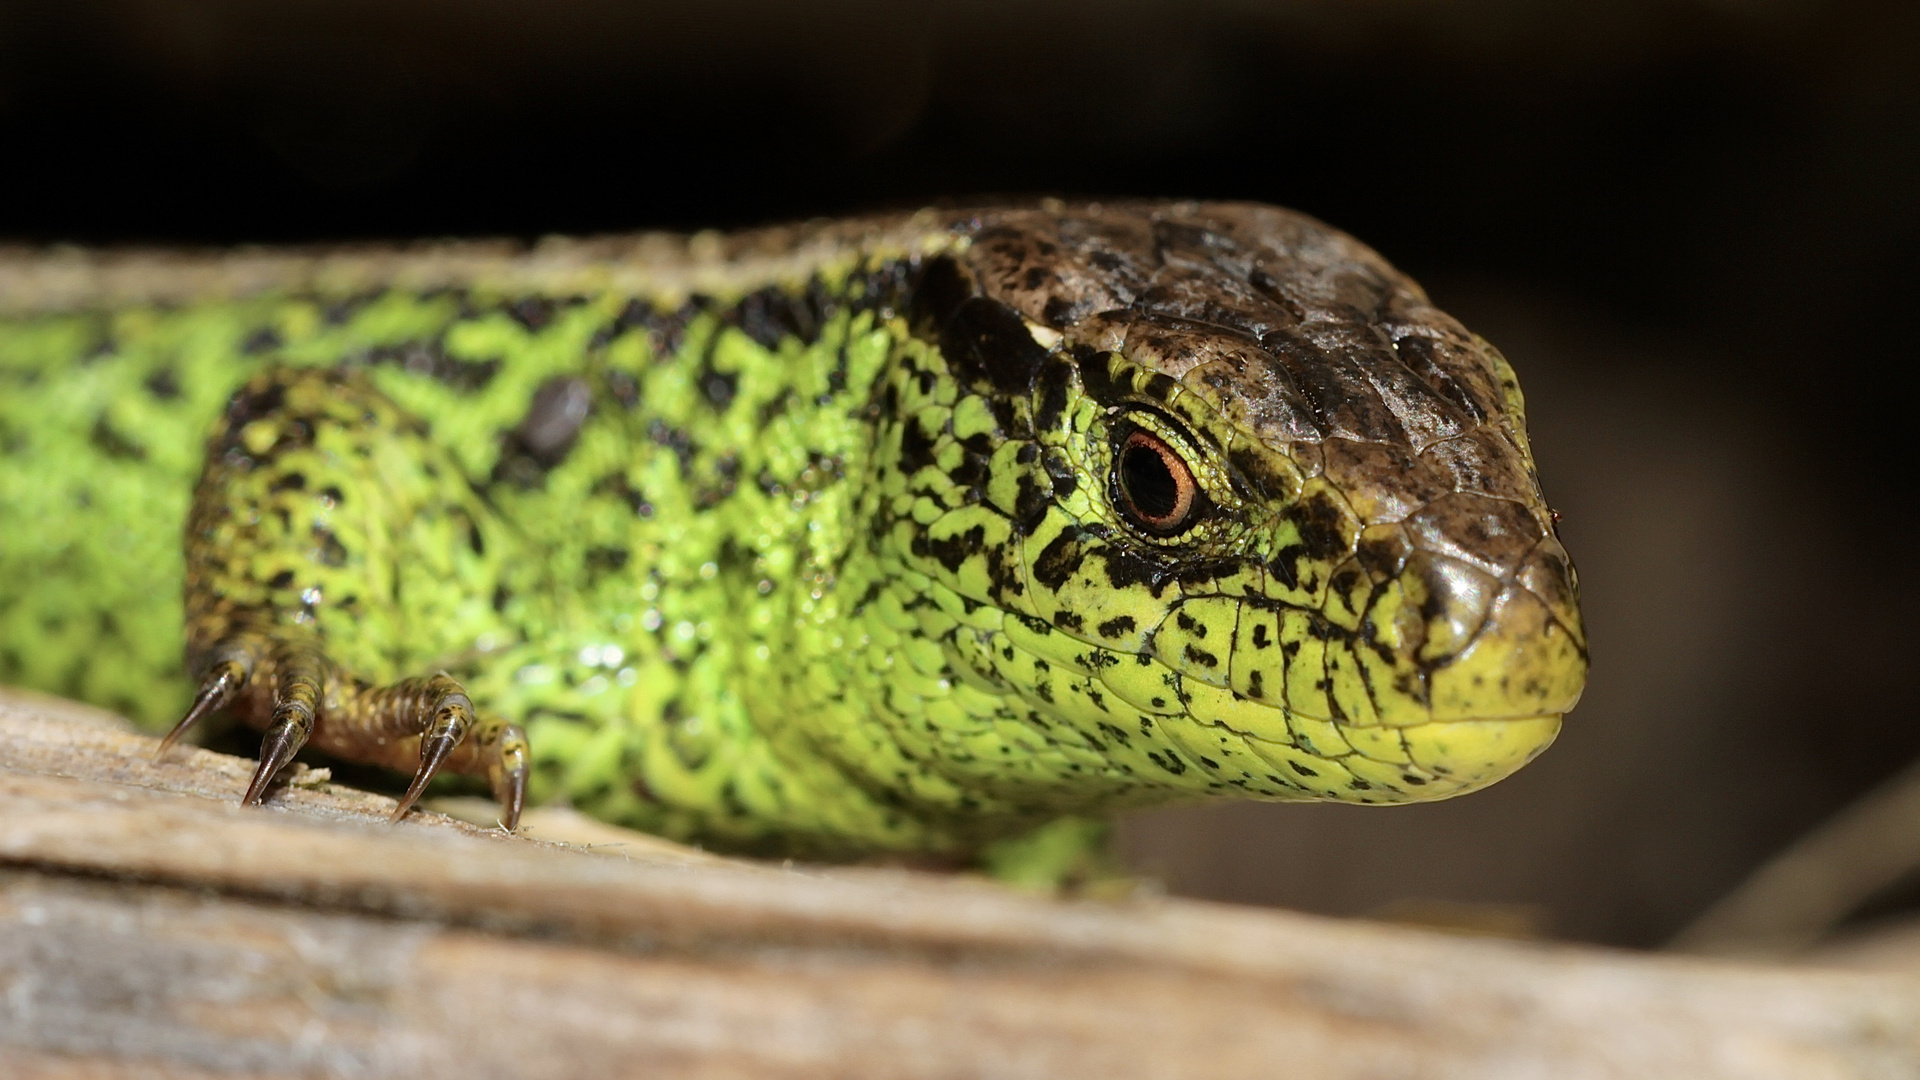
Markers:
<point>814,541</point>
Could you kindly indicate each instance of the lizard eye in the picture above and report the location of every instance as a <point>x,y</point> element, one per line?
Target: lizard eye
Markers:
<point>1156,487</point>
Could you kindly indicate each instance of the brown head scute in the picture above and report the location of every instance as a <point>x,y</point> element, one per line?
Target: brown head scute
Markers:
<point>1305,331</point>
<point>1295,332</point>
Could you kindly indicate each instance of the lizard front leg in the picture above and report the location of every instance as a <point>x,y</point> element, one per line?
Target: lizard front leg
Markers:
<point>336,566</point>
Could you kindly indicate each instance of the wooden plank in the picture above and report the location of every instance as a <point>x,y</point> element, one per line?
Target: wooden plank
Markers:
<point>148,922</point>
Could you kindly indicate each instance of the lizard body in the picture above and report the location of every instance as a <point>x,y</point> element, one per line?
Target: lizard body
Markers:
<point>904,534</point>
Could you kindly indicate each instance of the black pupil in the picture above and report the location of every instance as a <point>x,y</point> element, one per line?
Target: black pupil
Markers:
<point>1149,482</point>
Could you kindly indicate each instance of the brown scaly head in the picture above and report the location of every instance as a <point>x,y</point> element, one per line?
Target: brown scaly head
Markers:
<point>1261,517</point>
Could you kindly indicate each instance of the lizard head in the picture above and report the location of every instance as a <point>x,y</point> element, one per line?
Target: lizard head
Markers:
<point>1260,517</point>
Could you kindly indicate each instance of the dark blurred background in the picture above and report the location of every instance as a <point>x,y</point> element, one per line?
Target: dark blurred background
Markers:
<point>1691,224</point>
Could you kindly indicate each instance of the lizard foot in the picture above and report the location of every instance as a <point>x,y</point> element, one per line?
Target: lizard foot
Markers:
<point>297,695</point>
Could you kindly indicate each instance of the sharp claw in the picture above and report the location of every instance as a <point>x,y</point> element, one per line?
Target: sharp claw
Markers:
<point>511,793</point>
<point>509,776</point>
<point>433,750</point>
<point>510,806</point>
<point>450,724</point>
<point>219,688</point>
<point>284,738</point>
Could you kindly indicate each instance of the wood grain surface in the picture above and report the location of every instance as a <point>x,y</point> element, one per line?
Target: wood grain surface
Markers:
<point>151,927</point>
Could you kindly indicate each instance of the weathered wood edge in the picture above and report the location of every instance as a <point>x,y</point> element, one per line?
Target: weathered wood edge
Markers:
<point>147,921</point>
